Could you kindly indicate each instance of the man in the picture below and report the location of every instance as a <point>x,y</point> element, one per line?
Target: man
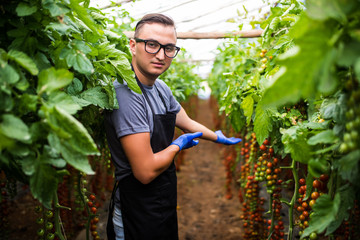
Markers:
<point>140,136</point>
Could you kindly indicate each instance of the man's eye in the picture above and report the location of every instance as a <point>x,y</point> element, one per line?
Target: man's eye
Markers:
<point>153,44</point>
<point>169,48</point>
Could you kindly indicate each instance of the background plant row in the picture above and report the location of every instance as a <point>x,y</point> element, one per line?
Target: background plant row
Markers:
<point>297,86</point>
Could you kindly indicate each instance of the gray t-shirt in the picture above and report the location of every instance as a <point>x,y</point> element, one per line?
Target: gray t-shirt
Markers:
<point>134,116</point>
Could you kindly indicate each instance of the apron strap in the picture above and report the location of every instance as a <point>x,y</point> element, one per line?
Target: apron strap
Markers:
<point>110,225</point>
<point>161,97</point>
<point>147,98</point>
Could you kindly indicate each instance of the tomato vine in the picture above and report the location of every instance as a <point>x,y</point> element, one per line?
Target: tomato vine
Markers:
<point>296,86</point>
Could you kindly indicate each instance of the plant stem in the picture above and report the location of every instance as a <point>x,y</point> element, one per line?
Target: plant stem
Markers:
<point>57,218</point>
<point>87,225</point>
<point>292,202</point>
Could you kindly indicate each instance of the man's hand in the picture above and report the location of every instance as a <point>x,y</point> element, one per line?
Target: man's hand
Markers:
<point>224,140</point>
<point>187,140</point>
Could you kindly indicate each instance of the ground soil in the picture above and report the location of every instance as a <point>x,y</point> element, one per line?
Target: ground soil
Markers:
<point>203,211</point>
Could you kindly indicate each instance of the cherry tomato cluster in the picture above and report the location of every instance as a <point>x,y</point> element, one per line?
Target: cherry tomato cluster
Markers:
<point>229,162</point>
<point>276,226</point>
<point>45,221</point>
<point>93,206</point>
<point>305,206</point>
<point>351,138</point>
<point>253,221</point>
<point>263,60</point>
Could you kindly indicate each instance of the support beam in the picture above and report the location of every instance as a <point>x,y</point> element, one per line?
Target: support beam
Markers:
<point>212,35</point>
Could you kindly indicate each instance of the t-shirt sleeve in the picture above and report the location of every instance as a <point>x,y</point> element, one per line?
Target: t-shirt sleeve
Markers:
<point>131,117</point>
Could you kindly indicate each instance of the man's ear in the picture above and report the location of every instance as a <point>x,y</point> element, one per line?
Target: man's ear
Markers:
<point>132,45</point>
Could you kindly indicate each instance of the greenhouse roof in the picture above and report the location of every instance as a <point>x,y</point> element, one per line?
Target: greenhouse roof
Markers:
<point>196,16</point>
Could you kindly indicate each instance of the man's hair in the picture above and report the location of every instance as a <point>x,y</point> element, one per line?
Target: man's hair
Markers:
<point>153,18</point>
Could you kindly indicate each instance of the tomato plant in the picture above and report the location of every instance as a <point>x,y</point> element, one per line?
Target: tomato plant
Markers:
<point>298,88</point>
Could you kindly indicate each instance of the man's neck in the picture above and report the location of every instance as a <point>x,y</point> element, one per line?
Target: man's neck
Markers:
<point>143,78</point>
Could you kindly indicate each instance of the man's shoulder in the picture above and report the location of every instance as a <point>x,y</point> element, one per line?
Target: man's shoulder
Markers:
<point>162,85</point>
<point>123,88</point>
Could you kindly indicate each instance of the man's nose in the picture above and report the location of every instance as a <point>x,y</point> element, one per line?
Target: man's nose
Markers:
<point>161,54</point>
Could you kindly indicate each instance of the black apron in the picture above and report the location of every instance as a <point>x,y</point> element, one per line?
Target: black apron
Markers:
<point>149,211</point>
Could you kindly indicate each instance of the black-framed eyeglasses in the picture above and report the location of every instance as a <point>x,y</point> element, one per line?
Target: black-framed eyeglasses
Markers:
<point>153,47</point>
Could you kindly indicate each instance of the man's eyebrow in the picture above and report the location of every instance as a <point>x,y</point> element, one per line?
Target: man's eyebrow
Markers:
<point>151,39</point>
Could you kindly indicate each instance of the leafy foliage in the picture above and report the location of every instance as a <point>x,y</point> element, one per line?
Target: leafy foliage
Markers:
<point>180,77</point>
<point>298,84</point>
<point>57,63</point>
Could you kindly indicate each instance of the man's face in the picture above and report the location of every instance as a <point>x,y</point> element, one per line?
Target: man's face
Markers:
<point>152,65</point>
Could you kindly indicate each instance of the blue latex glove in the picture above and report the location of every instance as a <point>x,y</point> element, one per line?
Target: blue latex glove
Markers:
<point>187,140</point>
<point>224,140</point>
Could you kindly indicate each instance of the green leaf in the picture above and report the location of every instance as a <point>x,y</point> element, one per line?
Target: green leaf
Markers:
<point>44,182</point>
<point>23,9</point>
<point>326,137</point>
<point>295,143</point>
<point>317,166</point>
<point>328,108</point>
<point>90,37</point>
<point>83,15</point>
<point>5,142</point>
<point>349,54</point>
<point>237,120</point>
<point>75,87</point>
<point>324,9</point>
<point>7,102</point>
<point>59,27</point>
<point>27,103</point>
<point>8,74</point>
<point>52,79</point>
<point>307,62</point>
<point>23,60</point>
<point>325,212</point>
<point>63,101</point>
<point>38,130</point>
<point>97,97</point>
<point>357,69</point>
<point>79,62</point>
<point>28,165</point>
<point>349,166</point>
<point>41,61</point>
<point>327,77</point>
<point>19,150</point>
<point>13,127</point>
<point>263,122</point>
<point>55,8</point>
<point>81,46</point>
<point>248,107</point>
<point>79,138</point>
<point>347,198</point>
<point>70,155</point>
<point>309,186</point>
<point>81,102</point>
<point>123,68</point>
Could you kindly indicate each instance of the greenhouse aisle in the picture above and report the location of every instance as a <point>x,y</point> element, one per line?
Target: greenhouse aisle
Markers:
<point>203,210</point>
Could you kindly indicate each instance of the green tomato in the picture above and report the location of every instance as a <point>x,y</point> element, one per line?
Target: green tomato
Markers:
<point>49,225</point>
<point>40,221</point>
<point>49,214</point>
<point>313,236</point>
<point>40,232</point>
<point>38,209</point>
<point>50,236</point>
